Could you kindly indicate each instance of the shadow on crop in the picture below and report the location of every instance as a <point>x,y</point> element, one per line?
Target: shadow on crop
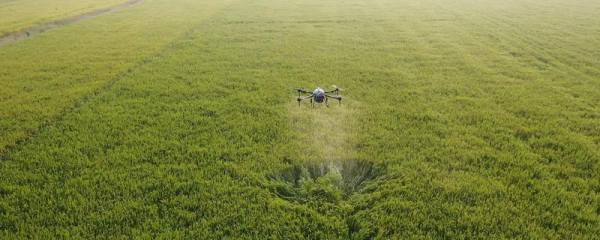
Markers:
<point>330,181</point>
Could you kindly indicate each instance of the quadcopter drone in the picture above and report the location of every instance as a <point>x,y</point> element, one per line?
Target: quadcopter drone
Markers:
<point>319,95</point>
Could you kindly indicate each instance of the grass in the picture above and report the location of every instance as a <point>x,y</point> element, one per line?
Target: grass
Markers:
<point>80,60</point>
<point>463,119</point>
<point>21,14</point>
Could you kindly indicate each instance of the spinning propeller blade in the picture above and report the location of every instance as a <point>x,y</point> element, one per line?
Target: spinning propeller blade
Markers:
<point>335,90</point>
<point>335,87</point>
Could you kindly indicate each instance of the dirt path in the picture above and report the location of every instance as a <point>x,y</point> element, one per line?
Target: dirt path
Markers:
<point>32,31</point>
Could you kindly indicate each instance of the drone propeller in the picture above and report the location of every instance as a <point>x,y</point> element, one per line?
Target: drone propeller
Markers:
<point>335,90</point>
<point>335,87</point>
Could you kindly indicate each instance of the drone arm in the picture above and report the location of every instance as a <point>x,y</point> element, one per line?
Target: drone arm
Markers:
<point>334,97</point>
<point>299,99</point>
<point>304,98</point>
<point>302,91</point>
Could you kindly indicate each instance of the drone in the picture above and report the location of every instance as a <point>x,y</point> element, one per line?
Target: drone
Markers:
<point>319,95</point>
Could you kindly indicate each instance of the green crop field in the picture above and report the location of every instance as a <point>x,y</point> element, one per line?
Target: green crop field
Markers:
<point>173,119</point>
<point>16,15</point>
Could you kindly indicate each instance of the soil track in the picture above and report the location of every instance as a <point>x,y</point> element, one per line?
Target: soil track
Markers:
<point>32,31</point>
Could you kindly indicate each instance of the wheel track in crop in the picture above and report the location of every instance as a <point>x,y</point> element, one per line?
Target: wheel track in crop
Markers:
<point>37,29</point>
<point>86,98</point>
